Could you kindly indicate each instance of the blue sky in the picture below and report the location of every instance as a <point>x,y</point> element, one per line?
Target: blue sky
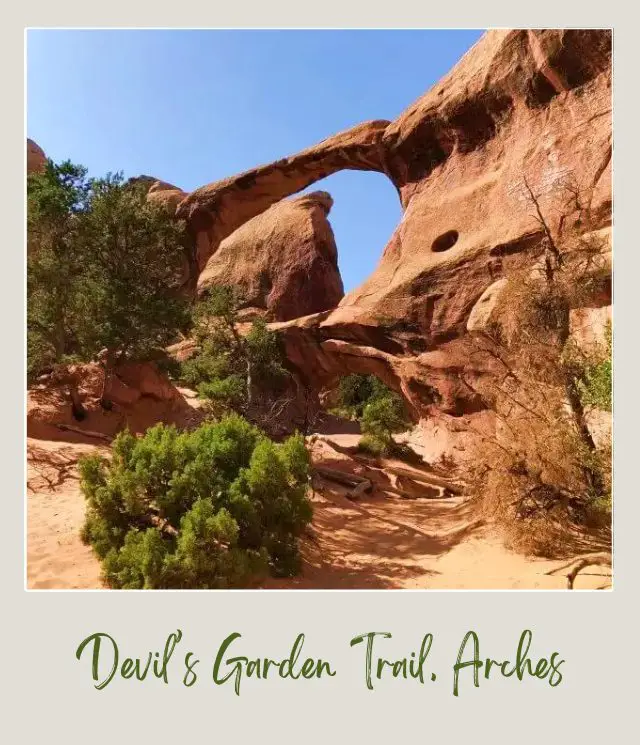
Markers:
<point>191,107</point>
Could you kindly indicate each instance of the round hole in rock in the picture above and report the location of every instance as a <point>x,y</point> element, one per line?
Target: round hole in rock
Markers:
<point>445,241</point>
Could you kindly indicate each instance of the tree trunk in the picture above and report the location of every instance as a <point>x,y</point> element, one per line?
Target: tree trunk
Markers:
<point>249,383</point>
<point>77,407</point>
<point>109,364</point>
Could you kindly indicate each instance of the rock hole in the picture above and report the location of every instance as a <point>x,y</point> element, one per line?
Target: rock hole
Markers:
<point>475,122</point>
<point>445,241</point>
<point>539,91</point>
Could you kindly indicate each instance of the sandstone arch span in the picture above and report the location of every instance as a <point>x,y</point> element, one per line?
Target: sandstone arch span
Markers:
<point>215,211</point>
<point>534,104</point>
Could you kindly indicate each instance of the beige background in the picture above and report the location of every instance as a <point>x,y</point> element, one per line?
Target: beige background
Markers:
<point>48,695</point>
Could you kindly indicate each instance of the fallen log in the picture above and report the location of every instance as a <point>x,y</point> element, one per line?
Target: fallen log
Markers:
<point>364,487</point>
<point>359,485</point>
<point>455,487</point>
<point>342,477</point>
<point>85,432</point>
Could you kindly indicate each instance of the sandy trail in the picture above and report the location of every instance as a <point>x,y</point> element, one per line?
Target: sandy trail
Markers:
<point>380,541</point>
<point>392,543</point>
<point>56,557</point>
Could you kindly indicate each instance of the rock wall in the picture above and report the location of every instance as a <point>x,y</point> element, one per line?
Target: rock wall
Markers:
<point>524,112</point>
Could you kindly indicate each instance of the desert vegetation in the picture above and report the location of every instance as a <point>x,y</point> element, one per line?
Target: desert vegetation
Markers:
<point>102,270</point>
<point>216,507</point>
<point>221,505</point>
<point>544,472</point>
<point>238,366</point>
<point>379,410</point>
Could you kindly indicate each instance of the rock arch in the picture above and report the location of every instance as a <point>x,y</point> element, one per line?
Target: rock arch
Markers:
<point>215,211</point>
<point>519,103</point>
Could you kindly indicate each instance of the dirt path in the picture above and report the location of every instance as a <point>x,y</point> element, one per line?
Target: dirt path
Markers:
<point>380,541</point>
<point>392,543</point>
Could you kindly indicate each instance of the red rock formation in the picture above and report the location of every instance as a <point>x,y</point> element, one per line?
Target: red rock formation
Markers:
<point>36,159</point>
<point>285,259</point>
<point>522,110</point>
<point>161,192</point>
<point>66,403</point>
<point>216,210</point>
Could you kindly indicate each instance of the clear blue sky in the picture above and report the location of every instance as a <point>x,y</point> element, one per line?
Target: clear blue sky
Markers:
<point>191,107</point>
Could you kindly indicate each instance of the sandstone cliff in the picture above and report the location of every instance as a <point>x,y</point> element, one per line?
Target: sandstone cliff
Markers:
<point>523,111</point>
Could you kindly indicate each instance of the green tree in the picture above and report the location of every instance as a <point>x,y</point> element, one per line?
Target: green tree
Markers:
<point>232,365</point>
<point>104,268</point>
<point>381,418</point>
<point>216,507</point>
<point>57,200</point>
<point>356,391</point>
<point>380,411</point>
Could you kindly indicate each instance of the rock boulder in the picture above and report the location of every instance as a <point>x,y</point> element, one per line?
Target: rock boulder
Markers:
<point>285,260</point>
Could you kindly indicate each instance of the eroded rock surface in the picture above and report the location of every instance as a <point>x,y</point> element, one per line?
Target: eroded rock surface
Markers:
<point>66,404</point>
<point>216,210</point>
<point>523,113</point>
<point>284,260</point>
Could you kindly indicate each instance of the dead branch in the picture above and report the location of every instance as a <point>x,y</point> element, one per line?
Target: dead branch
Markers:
<point>541,219</point>
<point>580,563</point>
<point>341,477</point>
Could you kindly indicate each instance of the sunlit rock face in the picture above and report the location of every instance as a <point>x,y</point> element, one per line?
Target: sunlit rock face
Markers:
<point>36,159</point>
<point>284,260</point>
<point>522,110</point>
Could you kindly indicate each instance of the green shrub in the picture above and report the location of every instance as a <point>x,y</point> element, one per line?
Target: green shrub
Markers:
<point>230,367</point>
<point>595,384</point>
<point>384,416</point>
<point>381,418</point>
<point>228,392</point>
<point>204,367</point>
<point>372,445</point>
<point>356,391</point>
<point>216,507</point>
<point>380,411</point>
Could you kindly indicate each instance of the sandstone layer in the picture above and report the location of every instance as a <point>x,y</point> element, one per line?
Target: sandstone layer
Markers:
<point>284,260</point>
<point>67,403</point>
<point>523,113</point>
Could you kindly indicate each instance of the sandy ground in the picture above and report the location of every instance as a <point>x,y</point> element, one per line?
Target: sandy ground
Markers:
<point>56,557</point>
<point>380,541</point>
<point>392,543</point>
